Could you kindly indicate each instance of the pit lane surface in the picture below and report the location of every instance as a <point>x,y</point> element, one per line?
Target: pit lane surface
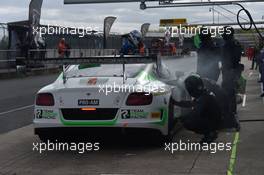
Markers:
<point>17,98</point>
<point>121,155</point>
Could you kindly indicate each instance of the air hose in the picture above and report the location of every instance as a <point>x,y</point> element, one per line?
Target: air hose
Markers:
<point>252,23</point>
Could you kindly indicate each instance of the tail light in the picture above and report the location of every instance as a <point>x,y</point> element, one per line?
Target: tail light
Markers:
<point>139,98</point>
<point>45,99</point>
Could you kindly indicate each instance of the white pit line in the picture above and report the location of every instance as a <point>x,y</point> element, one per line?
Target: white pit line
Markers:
<point>244,100</point>
<point>261,86</point>
<point>250,74</point>
<point>16,109</point>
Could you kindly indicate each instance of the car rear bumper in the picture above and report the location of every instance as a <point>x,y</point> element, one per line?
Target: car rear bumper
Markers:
<point>159,123</point>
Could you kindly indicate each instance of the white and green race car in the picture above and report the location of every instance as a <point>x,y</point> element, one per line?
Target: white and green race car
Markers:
<point>98,95</point>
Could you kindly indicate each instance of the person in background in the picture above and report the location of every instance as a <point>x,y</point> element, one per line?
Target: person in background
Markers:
<point>249,53</point>
<point>174,49</point>
<point>157,46</point>
<point>126,48</point>
<point>261,70</point>
<point>254,58</point>
<point>208,57</point>
<point>62,48</point>
<point>141,47</point>
<point>130,43</point>
<point>231,56</point>
<point>67,50</point>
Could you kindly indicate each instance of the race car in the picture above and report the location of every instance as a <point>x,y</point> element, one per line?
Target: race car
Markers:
<point>126,96</point>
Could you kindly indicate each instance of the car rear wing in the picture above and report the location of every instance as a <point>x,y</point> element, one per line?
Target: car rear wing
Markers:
<point>110,59</point>
<point>35,57</point>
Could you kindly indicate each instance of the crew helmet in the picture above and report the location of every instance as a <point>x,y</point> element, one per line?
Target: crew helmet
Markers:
<point>194,85</point>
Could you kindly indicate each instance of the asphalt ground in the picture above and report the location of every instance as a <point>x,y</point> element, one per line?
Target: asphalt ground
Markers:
<point>125,155</point>
<point>16,100</point>
<point>250,152</point>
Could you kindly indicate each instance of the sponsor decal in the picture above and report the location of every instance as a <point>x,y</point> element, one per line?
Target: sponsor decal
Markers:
<point>92,81</point>
<point>133,114</point>
<point>88,102</point>
<point>45,114</point>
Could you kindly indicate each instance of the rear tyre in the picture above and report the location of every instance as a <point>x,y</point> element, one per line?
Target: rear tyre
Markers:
<point>172,121</point>
<point>44,137</point>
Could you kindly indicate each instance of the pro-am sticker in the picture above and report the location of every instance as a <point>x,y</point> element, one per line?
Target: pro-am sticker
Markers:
<point>133,114</point>
<point>45,114</point>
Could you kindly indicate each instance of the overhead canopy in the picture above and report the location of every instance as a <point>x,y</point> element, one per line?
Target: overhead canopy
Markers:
<point>164,2</point>
<point>100,1</point>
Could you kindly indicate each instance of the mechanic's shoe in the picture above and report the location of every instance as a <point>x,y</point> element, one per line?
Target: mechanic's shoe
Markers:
<point>237,123</point>
<point>237,127</point>
<point>262,95</point>
<point>209,138</point>
<point>239,99</point>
